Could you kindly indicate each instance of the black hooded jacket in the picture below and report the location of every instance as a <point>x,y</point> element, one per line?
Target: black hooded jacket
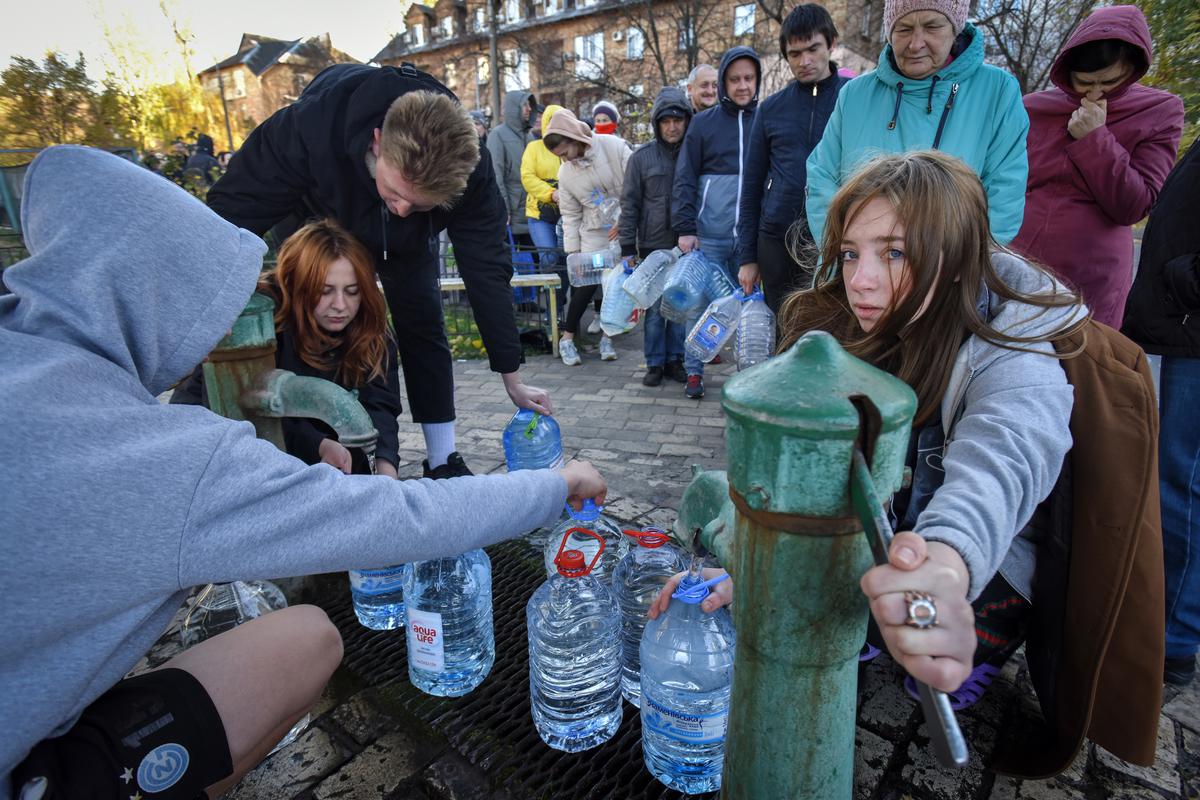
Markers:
<point>309,160</point>
<point>203,161</point>
<point>646,197</point>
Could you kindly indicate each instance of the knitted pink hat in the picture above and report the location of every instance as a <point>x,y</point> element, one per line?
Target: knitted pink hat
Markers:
<point>955,10</point>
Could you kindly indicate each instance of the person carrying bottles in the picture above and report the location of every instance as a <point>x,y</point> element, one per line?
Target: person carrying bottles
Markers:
<point>539,176</point>
<point>708,176</point>
<point>1100,146</point>
<point>156,498</point>
<point>330,323</point>
<point>646,224</point>
<point>931,89</point>
<point>590,181</point>
<point>392,156</point>
<point>787,126</point>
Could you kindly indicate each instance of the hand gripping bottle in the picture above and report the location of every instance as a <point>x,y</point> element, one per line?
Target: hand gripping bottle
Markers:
<point>618,311</point>
<point>637,581</point>
<point>578,529</point>
<point>449,606</point>
<point>587,269</point>
<point>646,283</point>
<point>575,654</point>
<point>687,678</point>
<point>686,290</point>
<point>714,327</point>
<point>532,441</point>
<point>755,340</point>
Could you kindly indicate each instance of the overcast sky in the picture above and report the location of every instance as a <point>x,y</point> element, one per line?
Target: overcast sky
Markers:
<point>359,27</point>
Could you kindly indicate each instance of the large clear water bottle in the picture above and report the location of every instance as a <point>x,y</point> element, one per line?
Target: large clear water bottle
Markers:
<point>637,581</point>
<point>618,310</point>
<point>587,269</point>
<point>755,340</point>
<point>579,530</point>
<point>378,597</point>
<point>719,283</point>
<point>687,678</point>
<point>448,601</point>
<point>646,283</point>
<point>686,290</point>
<point>532,441</point>
<point>715,326</point>
<point>575,655</point>
<point>221,607</point>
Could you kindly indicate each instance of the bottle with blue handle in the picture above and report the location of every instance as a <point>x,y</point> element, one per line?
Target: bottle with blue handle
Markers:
<point>639,578</point>
<point>646,283</point>
<point>687,680</point>
<point>532,441</point>
<point>714,328</point>
<point>719,283</point>
<point>448,601</point>
<point>575,654</point>
<point>686,290</point>
<point>579,530</point>
<point>617,310</point>
<point>755,341</point>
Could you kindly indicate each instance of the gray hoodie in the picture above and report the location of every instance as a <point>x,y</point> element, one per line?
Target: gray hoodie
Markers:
<point>114,503</point>
<point>1007,419</point>
<point>506,143</point>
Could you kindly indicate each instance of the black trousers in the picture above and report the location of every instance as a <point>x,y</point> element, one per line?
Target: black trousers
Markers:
<point>780,273</point>
<point>580,297</point>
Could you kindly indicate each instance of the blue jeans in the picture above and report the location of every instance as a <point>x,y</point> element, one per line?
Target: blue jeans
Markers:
<point>1179,482</point>
<point>547,237</point>
<point>662,341</point>
<point>720,251</point>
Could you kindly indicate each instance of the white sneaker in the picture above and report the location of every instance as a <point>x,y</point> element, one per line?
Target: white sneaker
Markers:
<point>607,351</point>
<point>594,326</point>
<point>568,353</point>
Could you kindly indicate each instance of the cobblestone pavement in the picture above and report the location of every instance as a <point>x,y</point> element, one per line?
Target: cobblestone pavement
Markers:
<point>645,440</point>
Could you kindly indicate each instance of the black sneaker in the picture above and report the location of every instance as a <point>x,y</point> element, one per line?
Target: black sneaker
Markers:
<point>454,467</point>
<point>675,371</point>
<point>1179,671</point>
<point>653,376</point>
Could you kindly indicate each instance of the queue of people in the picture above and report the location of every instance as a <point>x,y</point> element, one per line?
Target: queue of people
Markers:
<point>938,225</point>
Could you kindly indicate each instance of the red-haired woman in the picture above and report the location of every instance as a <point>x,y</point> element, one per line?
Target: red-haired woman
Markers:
<point>331,323</point>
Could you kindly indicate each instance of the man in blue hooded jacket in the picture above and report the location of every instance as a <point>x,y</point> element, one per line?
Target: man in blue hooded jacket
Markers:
<point>708,176</point>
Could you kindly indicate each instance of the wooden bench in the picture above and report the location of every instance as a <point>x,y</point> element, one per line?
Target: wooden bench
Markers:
<point>549,281</point>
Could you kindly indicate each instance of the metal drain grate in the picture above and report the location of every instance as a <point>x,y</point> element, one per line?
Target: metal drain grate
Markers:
<point>492,726</point>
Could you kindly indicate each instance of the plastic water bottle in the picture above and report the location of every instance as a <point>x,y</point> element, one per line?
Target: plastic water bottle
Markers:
<point>579,530</point>
<point>587,269</point>
<point>646,283</point>
<point>575,655</point>
<point>687,678</point>
<point>714,327</point>
<point>618,310</point>
<point>378,596</point>
<point>451,647</point>
<point>687,288</point>
<point>532,441</point>
<point>637,581</point>
<point>719,283</point>
<point>755,332</point>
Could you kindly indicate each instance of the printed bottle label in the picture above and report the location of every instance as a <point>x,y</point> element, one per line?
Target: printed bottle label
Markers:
<point>598,260</point>
<point>426,648</point>
<point>693,728</point>
<point>377,581</point>
<point>709,333</point>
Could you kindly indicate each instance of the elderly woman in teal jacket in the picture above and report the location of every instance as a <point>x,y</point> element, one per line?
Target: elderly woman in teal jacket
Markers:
<point>931,90</point>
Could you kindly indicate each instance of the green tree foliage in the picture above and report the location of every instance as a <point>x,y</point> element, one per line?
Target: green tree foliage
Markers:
<point>1175,30</point>
<point>47,103</point>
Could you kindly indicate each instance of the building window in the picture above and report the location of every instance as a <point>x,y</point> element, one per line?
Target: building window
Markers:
<point>479,21</point>
<point>516,70</point>
<point>451,75</point>
<point>635,44</point>
<point>416,35</point>
<point>687,35</point>
<point>589,55</point>
<point>446,26</point>
<point>239,83</point>
<point>637,90</point>
<point>512,11</point>
<point>551,7</point>
<point>743,20</point>
<point>483,69</point>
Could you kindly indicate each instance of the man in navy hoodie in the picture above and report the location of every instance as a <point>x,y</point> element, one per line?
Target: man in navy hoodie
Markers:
<point>708,176</point>
<point>395,174</point>
<point>787,126</point>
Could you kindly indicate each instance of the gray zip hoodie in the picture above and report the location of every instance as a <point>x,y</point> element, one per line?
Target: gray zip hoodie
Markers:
<point>1007,420</point>
<point>114,503</point>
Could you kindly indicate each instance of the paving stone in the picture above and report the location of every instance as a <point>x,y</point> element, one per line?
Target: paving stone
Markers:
<point>1163,774</point>
<point>1035,790</point>
<point>671,449</point>
<point>362,719</point>
<point>884,707</point>
<point>374,772</point>
<point>1184,707</point>
<point>925,774</point>
<point>871,756</point>
<point>456,779</point>
<point>1189,764</point>
<point>294,769</point>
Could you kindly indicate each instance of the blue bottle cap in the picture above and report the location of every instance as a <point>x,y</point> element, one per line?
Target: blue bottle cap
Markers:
<point>589,513</point>
<point>693,590</point>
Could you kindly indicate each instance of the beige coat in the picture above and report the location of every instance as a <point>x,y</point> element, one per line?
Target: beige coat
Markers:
<point>602,167</point>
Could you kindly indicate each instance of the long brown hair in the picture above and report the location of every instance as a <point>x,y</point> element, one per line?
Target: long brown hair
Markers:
<point>948,252</point>
<point>356,355</point>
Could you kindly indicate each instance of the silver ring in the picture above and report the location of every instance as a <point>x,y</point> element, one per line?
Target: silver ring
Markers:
<point>922,612</point>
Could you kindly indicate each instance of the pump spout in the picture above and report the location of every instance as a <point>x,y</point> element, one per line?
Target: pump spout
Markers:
<point>279,393</point>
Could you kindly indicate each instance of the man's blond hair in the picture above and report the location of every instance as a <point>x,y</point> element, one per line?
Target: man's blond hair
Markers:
<point>431,140</point>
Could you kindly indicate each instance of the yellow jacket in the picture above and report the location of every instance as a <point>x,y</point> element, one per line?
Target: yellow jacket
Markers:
<point>537,166</point>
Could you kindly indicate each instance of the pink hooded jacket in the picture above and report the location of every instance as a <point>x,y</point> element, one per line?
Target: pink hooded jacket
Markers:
<point>1083,195</point>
